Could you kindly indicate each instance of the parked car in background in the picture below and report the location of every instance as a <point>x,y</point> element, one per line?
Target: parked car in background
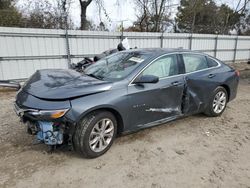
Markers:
<point>83,64</point>
<point>121,93</point>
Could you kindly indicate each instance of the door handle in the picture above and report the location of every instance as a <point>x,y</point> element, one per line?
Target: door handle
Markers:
<point>211,75</point>
<point>176,83</point>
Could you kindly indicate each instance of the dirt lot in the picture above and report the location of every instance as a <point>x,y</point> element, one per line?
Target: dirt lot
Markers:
<point>193,152</point>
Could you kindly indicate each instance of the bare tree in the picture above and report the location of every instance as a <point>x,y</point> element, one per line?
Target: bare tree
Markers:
<point>153,15</point>
<point>143,15</point>
<point>85,24</point>
<point>159,9</point>
<point>241,6</point>
<point>62,13</point>
<point>84,4</point>
<point>241,10</point>
<point>46,14</point>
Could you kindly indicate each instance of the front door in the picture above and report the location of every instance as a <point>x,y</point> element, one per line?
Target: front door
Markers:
<point>153,102</point>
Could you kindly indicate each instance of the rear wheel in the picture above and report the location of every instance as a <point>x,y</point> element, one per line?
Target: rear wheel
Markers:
<point>95,134</point>
<point>218,102</point>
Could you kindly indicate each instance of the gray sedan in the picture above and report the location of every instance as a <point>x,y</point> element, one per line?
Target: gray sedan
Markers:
<point>122,93</point>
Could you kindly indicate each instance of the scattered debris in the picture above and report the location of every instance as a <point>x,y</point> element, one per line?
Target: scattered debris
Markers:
<point>160,149</point>
<point>180,152</point>
<point>236,126</point>
<point>10,84</point>
<point>207,133</point>
<point>99,166</point>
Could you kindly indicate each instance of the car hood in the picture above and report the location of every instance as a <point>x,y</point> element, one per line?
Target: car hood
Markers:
<point>59,84</point>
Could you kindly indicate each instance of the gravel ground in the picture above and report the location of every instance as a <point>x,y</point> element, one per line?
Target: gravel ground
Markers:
<point>192,152</point>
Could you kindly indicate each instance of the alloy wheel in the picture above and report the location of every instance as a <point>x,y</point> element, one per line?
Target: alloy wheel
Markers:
<point>219,102</point>
<point>101,135</point>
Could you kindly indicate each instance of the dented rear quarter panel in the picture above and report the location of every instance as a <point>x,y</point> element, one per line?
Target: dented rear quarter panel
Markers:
<point>200,87</point>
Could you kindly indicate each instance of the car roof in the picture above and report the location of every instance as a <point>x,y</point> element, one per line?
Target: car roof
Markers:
<point>161,51</point>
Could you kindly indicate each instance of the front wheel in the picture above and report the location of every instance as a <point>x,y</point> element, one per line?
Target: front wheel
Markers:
<point>218,102</point>
<point>95,134</point>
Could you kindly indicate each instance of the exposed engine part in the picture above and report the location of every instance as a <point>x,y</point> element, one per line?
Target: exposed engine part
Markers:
<point>50,133</point>
<point>31,128</point>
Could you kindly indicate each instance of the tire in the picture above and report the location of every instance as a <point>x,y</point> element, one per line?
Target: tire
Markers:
<point>211,109</point>
<point>91,130</point>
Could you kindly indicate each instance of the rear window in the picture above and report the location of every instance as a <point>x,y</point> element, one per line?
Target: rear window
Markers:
<point>194,62</point>
<point>211,62</point>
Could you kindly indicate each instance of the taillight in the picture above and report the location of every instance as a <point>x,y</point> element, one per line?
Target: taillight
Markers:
<point>237,73</point>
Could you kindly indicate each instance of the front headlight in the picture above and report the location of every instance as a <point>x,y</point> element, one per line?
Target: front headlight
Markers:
<point>53,114</point>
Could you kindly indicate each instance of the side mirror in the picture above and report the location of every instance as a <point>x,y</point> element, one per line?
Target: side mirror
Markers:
<point>146,79</point>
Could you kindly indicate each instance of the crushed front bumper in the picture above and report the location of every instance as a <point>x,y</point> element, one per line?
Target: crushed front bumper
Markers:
<point>47,131</point>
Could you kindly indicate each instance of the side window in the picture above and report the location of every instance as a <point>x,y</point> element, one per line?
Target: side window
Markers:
<point>211,62</point>
<point>194,62</point>
<point>163,67</point>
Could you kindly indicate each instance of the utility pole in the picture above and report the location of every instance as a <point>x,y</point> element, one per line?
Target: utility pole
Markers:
<point>65,16</point>
<point>67,44</point>
<point>122,28</point>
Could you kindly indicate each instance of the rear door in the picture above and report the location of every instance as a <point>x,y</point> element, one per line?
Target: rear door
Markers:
<point>200,81</point>
<point>153,102</point>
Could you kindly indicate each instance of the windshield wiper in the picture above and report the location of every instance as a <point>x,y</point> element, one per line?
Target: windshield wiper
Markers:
<point>94,76</point>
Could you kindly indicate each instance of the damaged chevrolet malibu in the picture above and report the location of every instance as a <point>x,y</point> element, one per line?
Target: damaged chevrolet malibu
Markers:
<point>122,93</point>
